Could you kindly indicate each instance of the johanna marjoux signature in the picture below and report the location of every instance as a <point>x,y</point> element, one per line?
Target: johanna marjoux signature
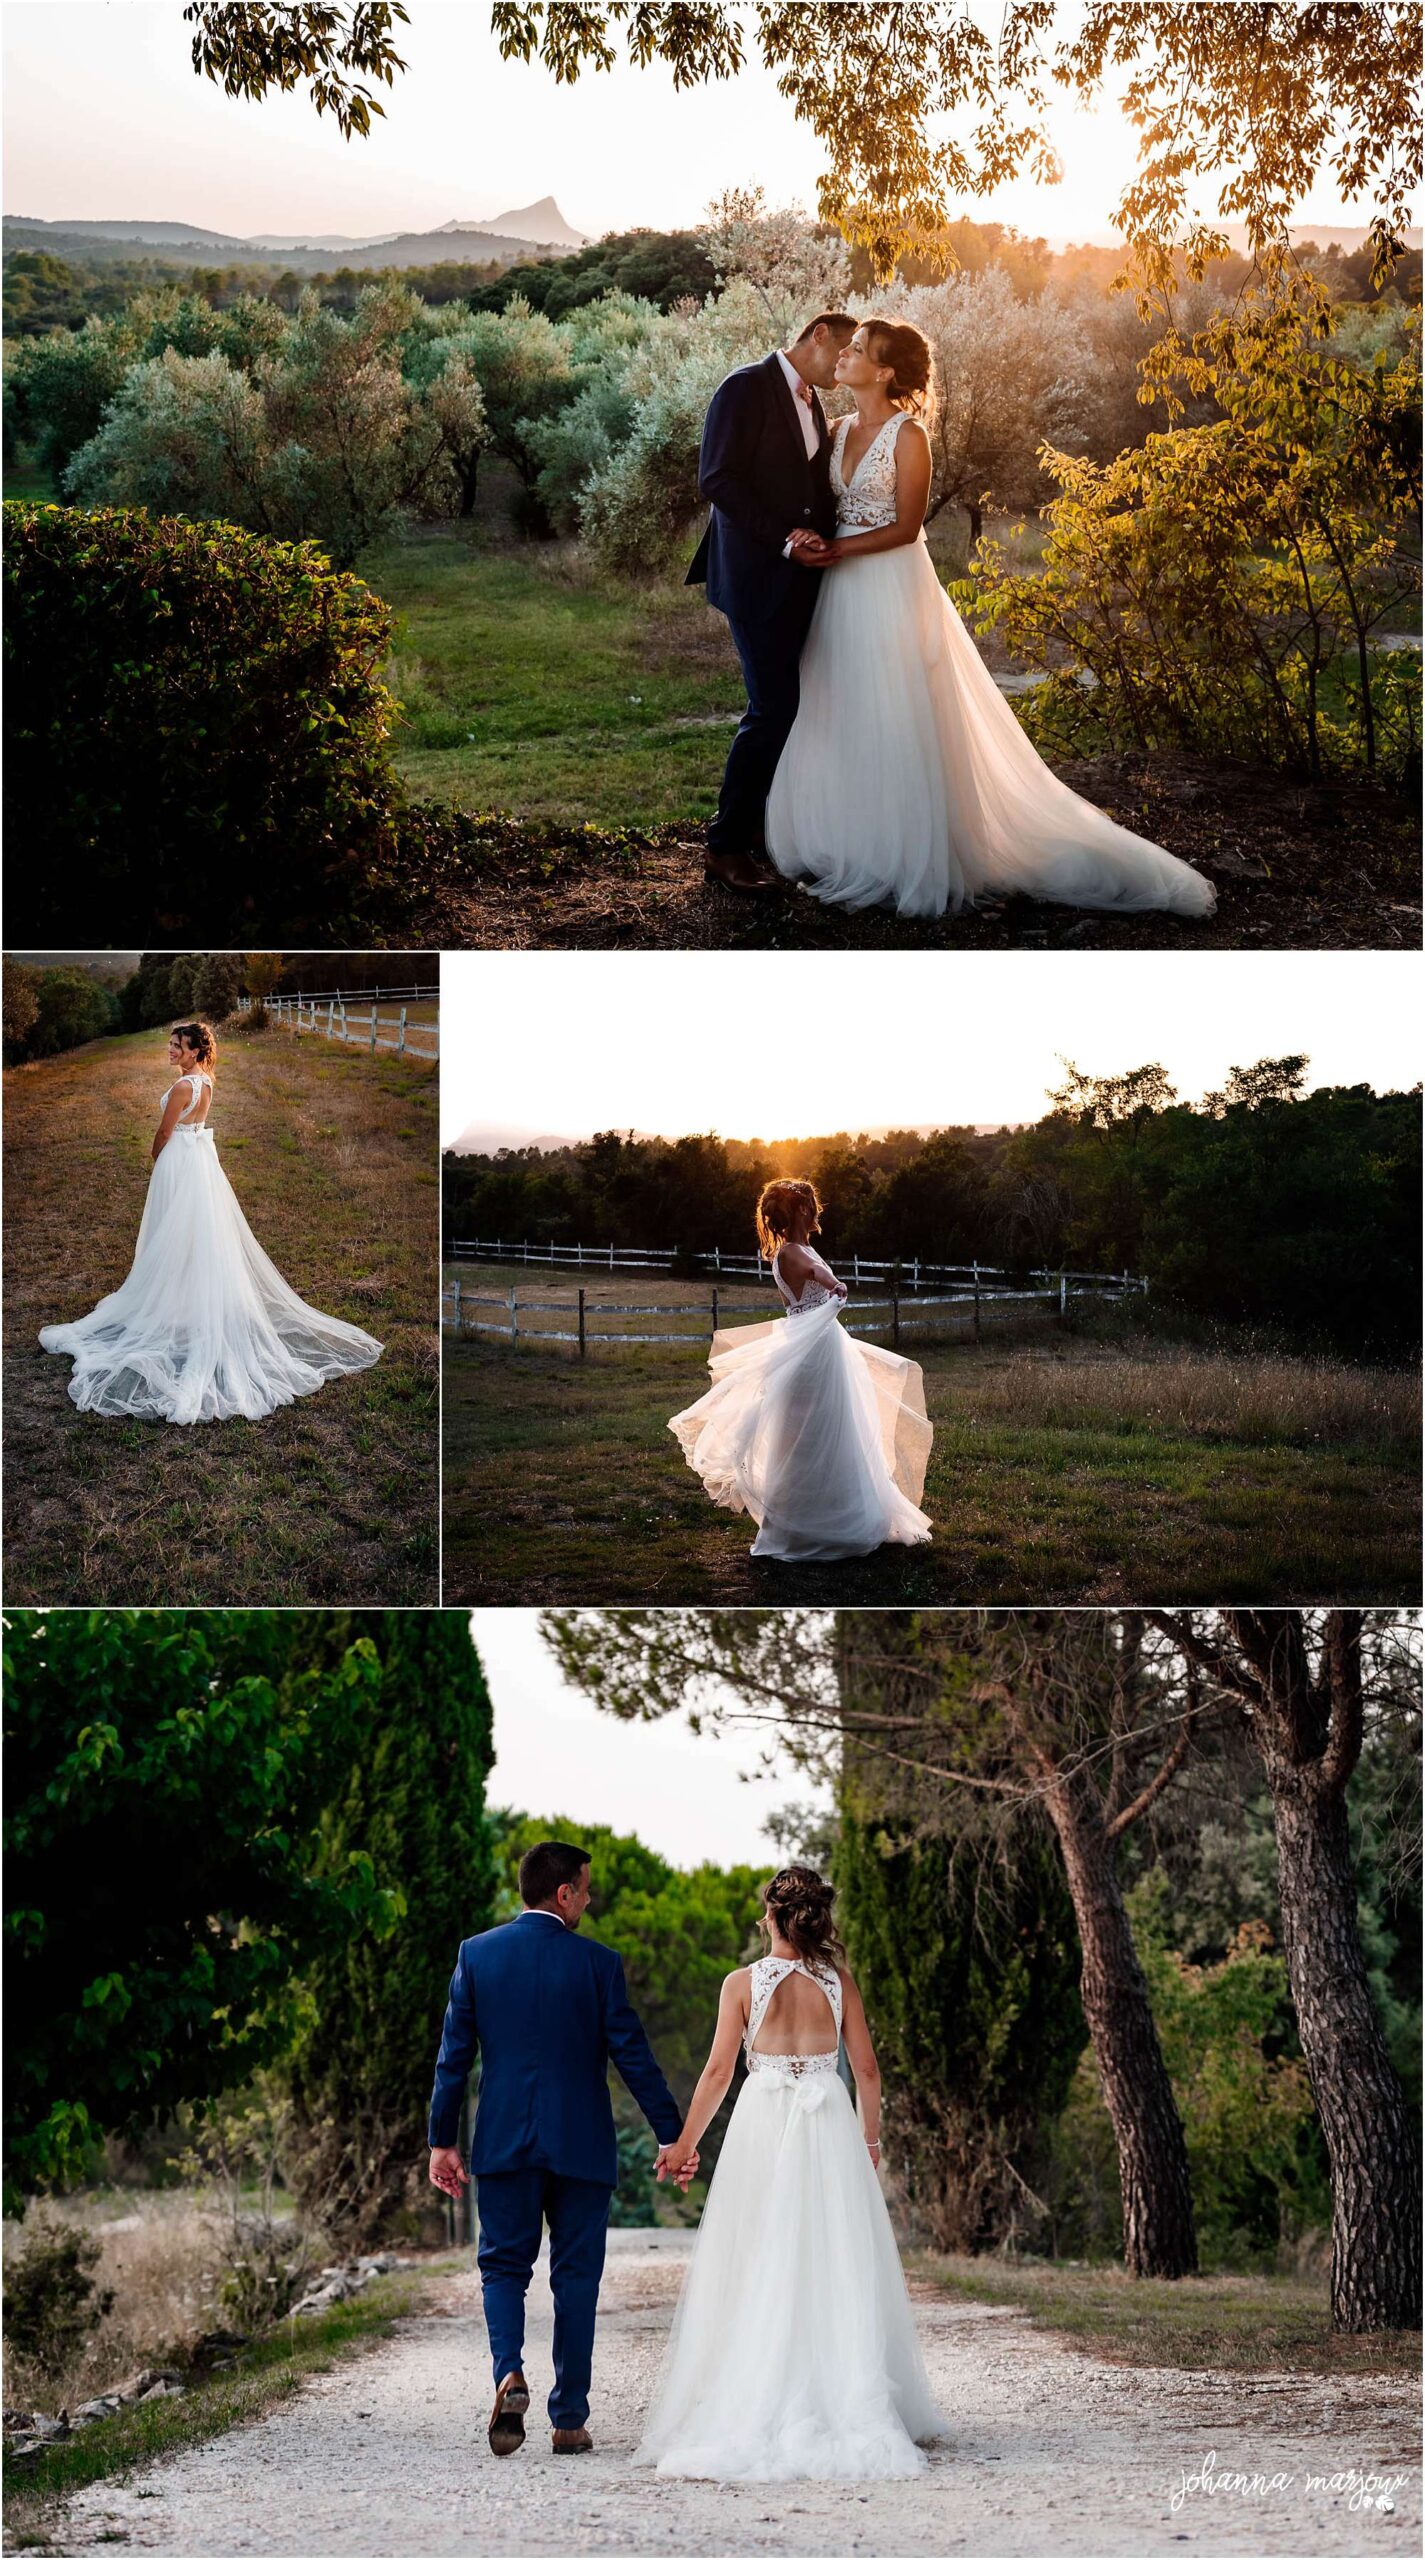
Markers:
<point>1361,2489</point>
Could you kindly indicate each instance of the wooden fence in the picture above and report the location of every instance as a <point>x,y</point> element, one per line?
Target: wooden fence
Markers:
<point>907,1276</point>
<point>457,1300</point>
<point>339,1017</point>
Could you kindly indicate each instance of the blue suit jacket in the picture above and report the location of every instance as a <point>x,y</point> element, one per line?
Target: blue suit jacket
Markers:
<point>549,2011</point>
<point>755,470</point>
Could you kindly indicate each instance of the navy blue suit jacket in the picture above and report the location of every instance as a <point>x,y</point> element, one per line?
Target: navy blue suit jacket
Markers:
<point>762,484</point>
<point>548,2011</point>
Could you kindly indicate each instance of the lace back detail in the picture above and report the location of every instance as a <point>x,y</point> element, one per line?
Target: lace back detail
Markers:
<point>767,1973</point>
<point>815,1293</point>
<point>195,1084</point>
<point>868,500</point>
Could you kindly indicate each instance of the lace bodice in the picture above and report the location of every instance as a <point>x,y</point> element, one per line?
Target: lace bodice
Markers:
<point>195,1084</point>
<point>816,1291</point>
<point>868,500</point>
<point>767,1973</point>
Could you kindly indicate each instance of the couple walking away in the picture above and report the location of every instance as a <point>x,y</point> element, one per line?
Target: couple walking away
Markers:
<point>877,761</point>
<point>821,1438</point>
<point>793,2353</point>
<point>205,1328</point>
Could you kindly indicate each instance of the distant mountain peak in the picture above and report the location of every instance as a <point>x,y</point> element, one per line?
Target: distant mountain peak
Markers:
<point>542,222</point>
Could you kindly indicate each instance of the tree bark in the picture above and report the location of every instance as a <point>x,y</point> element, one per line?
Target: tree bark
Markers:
<point>1370,2135</point>
<point>1159,2235</point>
<point>1307,1724</point>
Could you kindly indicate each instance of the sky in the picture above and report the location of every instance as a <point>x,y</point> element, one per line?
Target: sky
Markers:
<point>105,119</point>
<point>683,1795</point>
<point>772,1044</point>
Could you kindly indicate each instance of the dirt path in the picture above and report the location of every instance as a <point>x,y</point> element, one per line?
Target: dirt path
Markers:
<point>1050,2448</point>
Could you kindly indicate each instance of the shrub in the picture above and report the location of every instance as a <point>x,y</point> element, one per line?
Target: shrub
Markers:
<point>199,737</point>
<point>633,2207</point>
<point>52,2304</point>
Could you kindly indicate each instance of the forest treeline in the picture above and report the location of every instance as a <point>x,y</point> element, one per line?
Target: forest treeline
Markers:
<point>46,290</point>
<point>53,1007</point>
<point>1263,1205</point>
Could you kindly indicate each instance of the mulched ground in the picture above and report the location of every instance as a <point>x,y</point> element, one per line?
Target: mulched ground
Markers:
<point>1294,868</point>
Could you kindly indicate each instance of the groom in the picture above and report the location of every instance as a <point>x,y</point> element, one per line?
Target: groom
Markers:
<point>765,467</point>
<point>548,2011</point>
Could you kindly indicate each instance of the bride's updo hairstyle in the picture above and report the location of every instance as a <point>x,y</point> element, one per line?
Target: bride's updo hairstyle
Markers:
<point>198,1036</point>
<point>906,350</point>
<point>799,1900</point>
<point>776,1208</point>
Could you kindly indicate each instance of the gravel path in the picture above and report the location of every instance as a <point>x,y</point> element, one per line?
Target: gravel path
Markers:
<point>1051,2449</point>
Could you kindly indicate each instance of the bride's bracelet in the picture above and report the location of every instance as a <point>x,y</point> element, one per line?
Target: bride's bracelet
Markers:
<point>873,2146</point>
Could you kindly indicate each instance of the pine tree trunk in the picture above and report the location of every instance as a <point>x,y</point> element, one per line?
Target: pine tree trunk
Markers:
<point>1370,2132</point>
<point>1159,2236</point>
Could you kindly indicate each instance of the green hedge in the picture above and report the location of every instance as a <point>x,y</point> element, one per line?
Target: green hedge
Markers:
<point>198,735</point>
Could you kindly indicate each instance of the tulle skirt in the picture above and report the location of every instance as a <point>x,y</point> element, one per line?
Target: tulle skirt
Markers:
<point>793,2352</point>
<point>205,1327</point>
<point>822,1438</point>
<point>907,777</point>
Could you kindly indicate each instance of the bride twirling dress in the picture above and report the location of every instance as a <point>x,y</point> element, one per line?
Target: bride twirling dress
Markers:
<point>204,1328</point>
<point>822,1438</point>
<point>906,776</point>
<point>793,2352</point>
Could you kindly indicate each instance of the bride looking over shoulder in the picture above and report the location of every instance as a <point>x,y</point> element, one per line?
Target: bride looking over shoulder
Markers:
<point>906,777</point>
<point>204,1328</point>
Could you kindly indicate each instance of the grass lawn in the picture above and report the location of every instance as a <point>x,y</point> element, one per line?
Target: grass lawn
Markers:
<point>530,685</point>
<point>332,1154</point>
<point>1201,2324</point>
<point>1062,1470</point>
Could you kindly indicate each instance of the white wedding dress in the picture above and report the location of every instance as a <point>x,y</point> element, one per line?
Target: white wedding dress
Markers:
<point>204,1327</point>
<point>793,2353</point>
<point>907,777</point>
<point>822,1438</point>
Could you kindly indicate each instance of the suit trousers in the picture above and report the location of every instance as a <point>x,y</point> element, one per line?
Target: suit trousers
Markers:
<point>514,2205</point>
<point>769,651</point>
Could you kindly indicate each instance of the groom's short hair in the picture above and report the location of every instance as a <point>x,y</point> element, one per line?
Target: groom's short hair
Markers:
<point>840,323</point>
<point>548,1865</point>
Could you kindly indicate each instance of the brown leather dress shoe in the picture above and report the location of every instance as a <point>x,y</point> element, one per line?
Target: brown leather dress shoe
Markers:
<point>507,2416</point>
<point>573,2440</point>
<point>742,871</point>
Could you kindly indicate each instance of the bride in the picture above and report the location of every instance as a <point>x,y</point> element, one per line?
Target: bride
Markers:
<point>822,1438</point>
<point>204,1327</point>
<point>793,2353</point>
<point>906,775</point>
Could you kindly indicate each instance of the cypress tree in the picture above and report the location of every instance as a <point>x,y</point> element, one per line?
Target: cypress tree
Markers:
<point>964,1945</point>
<point>414,1806</point>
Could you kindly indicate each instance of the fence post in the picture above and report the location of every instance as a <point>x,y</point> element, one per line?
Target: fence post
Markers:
<point>1063,1295</point>
<point>977,1301</point>
<point>331,1015</point>
<point>514,1318</point>
<point>341,1035</point>
<point>373,1030</point>
<point>581,1324</point>
<point>401,1043</point>
<point>896,1312</point>
<point>714,1324</point>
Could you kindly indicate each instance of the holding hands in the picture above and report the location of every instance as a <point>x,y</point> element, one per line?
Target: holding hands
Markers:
<point>812,550</point>
<point>678,2161</point>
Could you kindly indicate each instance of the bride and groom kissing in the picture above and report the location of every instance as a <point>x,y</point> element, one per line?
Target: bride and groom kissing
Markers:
<point>794,2267</point>
<point>877,761</point>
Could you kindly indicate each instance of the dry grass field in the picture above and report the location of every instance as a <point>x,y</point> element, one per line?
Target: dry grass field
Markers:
<point>333,1500</point>
<point>1064,1468</point>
